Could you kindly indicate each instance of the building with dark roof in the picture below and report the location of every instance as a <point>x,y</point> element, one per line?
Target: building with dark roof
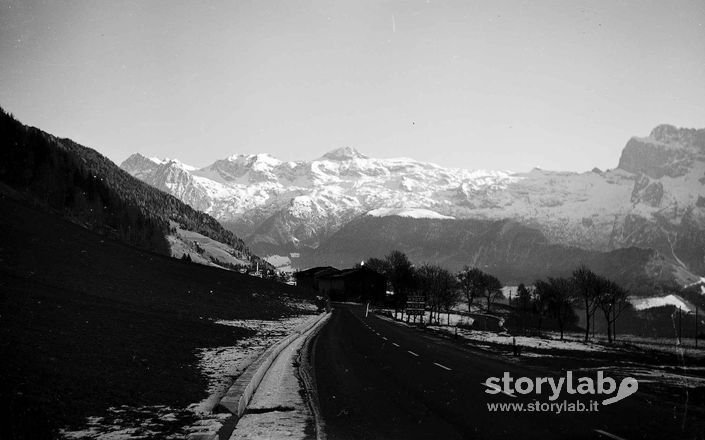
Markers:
<point>358,284</point>
<point>309,277</point>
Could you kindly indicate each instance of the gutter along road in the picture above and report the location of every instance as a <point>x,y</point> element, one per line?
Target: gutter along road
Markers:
<point>380,380</point>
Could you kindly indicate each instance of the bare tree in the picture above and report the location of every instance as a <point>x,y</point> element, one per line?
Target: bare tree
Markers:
<point>401,276</point>
<point>424,282</point>
<point>612,300</point>
<point>493,290</point>
<point>474,283</point>
<point>586,286</point>
<point>561,301</point>
<point>471,282</point>
<point>378,265</point>
<point>542,293</point>
<point>439,288</point>
<point>450,295</point>
<point>523,297</point>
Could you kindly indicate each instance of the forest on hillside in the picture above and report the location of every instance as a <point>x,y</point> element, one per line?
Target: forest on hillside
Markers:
<point>89,189</point>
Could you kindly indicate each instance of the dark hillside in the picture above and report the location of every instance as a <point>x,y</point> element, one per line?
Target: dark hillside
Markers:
<point>87,322</point>
<point>91,190</point>
<point>511,251</point>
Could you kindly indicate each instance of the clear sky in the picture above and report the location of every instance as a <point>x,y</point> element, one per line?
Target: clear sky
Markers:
<point>495,84</point>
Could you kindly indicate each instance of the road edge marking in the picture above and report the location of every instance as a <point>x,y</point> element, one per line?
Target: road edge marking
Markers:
<point>607,434</point>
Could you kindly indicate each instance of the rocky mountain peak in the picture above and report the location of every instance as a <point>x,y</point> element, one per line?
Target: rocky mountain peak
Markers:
<point>668,151</point>
<point>344,153</point>
<point>253,158</point>
<point>139,165</point>
<point>136,159</point>
<point>689,138</point>
<point>665,133</point>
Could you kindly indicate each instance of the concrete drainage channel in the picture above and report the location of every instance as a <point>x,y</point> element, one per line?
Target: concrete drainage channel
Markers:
<point>306,359</point>
<point>240,394</point>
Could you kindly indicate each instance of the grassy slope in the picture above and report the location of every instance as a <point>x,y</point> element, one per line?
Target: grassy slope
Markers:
<point>87,323</point>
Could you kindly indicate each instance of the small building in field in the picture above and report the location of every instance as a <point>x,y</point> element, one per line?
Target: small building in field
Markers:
<point>309,278</point>
<point>358,284</point>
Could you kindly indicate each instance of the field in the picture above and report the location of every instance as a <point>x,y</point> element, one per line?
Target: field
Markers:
<point>88,324</point>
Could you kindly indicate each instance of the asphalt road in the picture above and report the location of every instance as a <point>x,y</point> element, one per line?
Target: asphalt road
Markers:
<point>380,380</point>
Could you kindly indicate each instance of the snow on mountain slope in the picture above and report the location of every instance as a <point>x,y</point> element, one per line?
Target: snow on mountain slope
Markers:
<point>407,212</point>
<point>661,301</point>
<point>654,199</point>
<point>204,250</point>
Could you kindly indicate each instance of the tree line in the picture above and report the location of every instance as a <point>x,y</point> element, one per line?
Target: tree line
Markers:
<point>441,289</point>
<point>553,299</point>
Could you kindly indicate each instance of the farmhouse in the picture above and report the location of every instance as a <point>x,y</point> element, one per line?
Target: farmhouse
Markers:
<point>358,284</point>
<point>309,277</point>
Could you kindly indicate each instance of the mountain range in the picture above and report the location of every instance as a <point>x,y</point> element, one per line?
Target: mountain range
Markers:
<point>653,203</point>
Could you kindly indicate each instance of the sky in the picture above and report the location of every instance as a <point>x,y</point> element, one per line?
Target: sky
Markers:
<point>507,85</point>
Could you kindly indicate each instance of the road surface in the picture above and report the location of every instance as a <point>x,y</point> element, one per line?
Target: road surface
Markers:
<point>377,379</point>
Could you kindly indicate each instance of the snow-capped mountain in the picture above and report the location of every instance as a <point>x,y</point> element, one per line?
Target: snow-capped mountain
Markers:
<point>654,199</point>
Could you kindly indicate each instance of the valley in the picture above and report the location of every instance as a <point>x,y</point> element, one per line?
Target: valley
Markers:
<point>269,220</point>
<point>651,204</point>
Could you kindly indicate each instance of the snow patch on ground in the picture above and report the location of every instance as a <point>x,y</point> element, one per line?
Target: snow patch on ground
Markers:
<point>489,338</point>
<point>127,423</point>
<point>544,343</point>
<point>572,341</point>
<point>220,365</point>
<point>453,319</point>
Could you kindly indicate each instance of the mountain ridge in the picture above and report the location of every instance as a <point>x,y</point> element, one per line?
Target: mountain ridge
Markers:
<point>652,199</point>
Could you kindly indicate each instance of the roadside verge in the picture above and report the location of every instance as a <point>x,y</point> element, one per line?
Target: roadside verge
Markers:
<point>241,392</point>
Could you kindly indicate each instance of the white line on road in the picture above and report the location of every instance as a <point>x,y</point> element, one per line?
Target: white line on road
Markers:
<point>442,366</point>
<point>384,338</point>
<point>395,344</point>
<point>412,353</point>
<point>607,434</point>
